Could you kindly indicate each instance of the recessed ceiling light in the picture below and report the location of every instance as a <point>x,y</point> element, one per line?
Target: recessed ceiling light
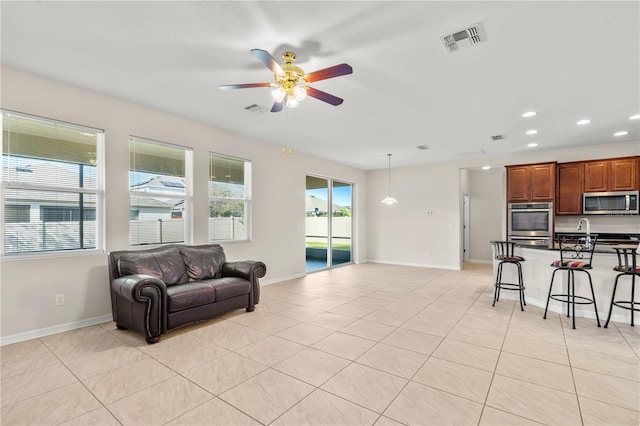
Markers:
<point>532,132</point>
<point>532,145</point>
<point>486,167</point>
<point>529,114</point>
<point>621,133</point>
<point>634,117</point>
<point>583,122</point>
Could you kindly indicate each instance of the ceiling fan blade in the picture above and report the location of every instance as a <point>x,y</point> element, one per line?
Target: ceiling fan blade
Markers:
<point>323,74</point>
<point>266,58</point>
<point>324,96</point>
<point>277,106</point>
<point>243,86</point>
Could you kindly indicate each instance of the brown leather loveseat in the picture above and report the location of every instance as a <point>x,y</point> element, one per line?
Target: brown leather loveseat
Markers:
<point>159,289</point>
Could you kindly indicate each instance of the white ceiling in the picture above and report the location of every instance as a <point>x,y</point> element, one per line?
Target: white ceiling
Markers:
<point>565,60</point>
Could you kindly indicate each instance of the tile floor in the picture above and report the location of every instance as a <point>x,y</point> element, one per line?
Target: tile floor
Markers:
<point>361,344</point>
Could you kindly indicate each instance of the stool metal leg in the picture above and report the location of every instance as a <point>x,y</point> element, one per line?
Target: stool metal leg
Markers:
<point>519,286</point>
<point>633,295</point>
<point>593,295</point>
<point>572,296</point>
<point>522,284</point>
<point>520,289</point>
<point>613,296</point>
<point>499,282</point>
<point>496,286</point>
<point>549,295</point>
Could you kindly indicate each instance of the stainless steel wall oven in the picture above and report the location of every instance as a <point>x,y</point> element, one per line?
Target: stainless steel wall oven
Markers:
<point>530,223</point>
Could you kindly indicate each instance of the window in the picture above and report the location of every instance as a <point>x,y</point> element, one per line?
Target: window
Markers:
<point>158,189</point>
<point>229,198</point>
<point>51,185</point>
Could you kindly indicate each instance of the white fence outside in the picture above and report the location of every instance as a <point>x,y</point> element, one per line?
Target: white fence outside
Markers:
<point>317,228</point>
<point>46,236</point>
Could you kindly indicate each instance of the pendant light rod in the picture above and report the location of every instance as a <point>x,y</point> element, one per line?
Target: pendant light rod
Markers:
<point>389,156</point>
<point>389,199</point>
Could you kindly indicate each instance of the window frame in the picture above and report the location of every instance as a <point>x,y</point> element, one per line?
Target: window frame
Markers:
<point>98,192</point>
<point>188,194</point>
<point>245,200</point>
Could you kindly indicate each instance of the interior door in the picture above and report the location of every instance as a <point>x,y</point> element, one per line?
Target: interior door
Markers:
<point>466,246</point>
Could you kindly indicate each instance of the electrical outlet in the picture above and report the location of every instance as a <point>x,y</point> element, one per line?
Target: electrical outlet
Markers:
<point>60,299</point>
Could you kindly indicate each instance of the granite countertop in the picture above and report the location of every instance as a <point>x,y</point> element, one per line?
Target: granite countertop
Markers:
<point>605,243</point>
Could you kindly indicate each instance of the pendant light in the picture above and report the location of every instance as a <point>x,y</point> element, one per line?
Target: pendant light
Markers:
<point>389,199</point>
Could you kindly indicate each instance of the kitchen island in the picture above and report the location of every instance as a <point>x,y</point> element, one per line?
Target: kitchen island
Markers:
<point>537,271</point>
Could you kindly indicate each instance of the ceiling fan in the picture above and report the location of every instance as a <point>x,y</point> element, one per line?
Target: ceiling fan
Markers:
<point>291,82</point>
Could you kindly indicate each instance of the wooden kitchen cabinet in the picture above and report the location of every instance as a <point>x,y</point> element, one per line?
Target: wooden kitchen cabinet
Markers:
<point>570,181</point>
<point>517,183</point>
<point>624,174</point>
<point>543,182</point>
<point>531,182</point>
<point>617,174</point>
<point>596,176</point>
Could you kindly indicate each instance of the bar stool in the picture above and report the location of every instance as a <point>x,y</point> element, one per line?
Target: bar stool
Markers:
<point>627,265</point>
<point>503,251</point>
<point>576,255</point>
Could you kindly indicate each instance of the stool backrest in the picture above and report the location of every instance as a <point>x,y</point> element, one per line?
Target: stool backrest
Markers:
<point>627,261</point>
<point>577,247</point>
<point>503,248</point>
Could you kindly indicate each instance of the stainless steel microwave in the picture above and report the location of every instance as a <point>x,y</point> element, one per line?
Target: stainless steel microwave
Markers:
<point>610,203</point>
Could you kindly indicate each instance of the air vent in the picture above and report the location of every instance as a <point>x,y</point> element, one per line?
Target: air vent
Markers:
<point>464,38</point>
<point>255,108</point>
<point>422,147</point>
<point>497,137</point>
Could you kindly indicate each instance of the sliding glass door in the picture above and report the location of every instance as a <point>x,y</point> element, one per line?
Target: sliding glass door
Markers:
<point>340,223</point>
<point>328,223</point>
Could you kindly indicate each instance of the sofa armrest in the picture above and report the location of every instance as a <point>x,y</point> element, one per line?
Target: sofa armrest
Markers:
<point>148,292</point>
<point>250,270</point>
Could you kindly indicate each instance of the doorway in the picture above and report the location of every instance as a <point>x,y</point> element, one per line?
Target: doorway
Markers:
<point>466,227</point>
<point>328,223</point>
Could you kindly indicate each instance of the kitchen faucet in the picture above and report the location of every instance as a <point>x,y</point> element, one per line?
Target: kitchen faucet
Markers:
<point>584,220</point>
<point>588,230</point>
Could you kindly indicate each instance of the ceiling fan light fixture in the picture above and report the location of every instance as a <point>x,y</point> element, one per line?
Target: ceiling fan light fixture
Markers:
<point>292,102</point>
<point>299,93</point>
<point>290,86</point>
<point>278,94</point>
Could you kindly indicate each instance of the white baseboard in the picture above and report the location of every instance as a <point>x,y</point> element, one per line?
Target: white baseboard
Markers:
<point>47,331</point>
<point>419,265</point>
<point>279,279</point>
<point>481,261</point>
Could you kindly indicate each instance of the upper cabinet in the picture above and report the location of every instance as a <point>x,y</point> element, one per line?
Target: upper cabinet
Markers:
<point>564,183</point>
<point>568,194</point>
<point>517,183</point>
<point>596,176</point>
<point>624,174</point>
<point>543,182</point>
<point>617,174</point>
<point>530,183</point>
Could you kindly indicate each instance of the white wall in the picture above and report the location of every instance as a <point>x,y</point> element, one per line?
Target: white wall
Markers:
<point>406,233</point>
<point>29,285</point>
